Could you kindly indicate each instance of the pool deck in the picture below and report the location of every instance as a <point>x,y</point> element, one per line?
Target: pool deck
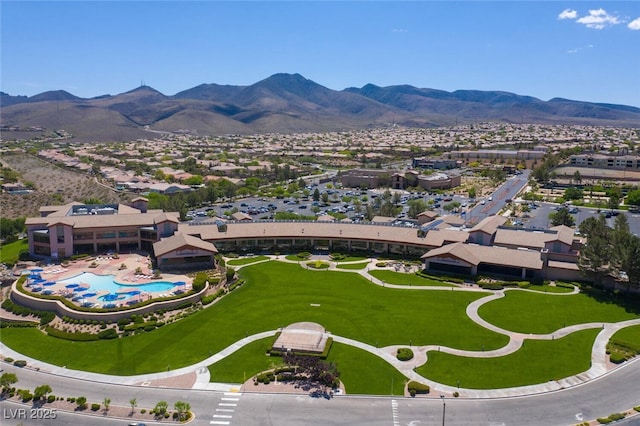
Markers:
<point>109,265</point>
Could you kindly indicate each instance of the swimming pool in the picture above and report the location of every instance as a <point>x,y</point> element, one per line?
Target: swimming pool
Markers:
<point>108,283</point>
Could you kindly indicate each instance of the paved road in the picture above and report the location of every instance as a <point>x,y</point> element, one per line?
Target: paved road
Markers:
<point>614,392</point>
<point>497,200</point>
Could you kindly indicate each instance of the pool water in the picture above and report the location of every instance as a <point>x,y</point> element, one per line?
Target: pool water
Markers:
<point>107,283</point>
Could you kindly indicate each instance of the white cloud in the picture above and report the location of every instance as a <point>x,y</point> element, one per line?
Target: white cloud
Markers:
<point>399,30</point>
<point>568,14</point>
<point>598,19</point>
<point>578,49</point>
<point>634,25</point>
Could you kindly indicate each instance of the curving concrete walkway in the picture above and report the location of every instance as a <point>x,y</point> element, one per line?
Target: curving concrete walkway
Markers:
<point>599,365</point>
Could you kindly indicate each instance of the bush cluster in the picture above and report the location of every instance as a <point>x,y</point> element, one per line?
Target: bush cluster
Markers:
<point>304,255</point>
<point>45,316</point>
<point>417,388</point>
<point>265,378</point>
<point>404,354</point>
<point>200,281</point>
<point>109,333</point>
<point>77,336</point>
<point>20,363</point>
<point>612,418</point>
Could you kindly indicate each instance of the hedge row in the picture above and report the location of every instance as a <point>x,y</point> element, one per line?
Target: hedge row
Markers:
<point>45,316</point>
<point>19,324</point>
<point>417,388</point>
<point>78,337</point>
<point>210,298</point>
<point>612,418</point>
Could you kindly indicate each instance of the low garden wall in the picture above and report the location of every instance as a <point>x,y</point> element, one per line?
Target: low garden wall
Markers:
<point>57,306</point>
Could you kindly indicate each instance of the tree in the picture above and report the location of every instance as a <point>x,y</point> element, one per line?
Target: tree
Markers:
<point>573,193</point>
<point>633,197</point>
<point>106,402</point>
<point>42,391</point>
<point>134,403</point>
<point>415,208</point>
<point>160,408</point>
<point>595,256</point>
<point>317,370</point>
<point>325,198</point>
<point>6,380</point>
<point>472,192</point>
<point>316,195</point>
<point>577,177</point>
<point>182,407</point>
<point>562,217</point>
<point>625,251</point>
<point>615,196</point>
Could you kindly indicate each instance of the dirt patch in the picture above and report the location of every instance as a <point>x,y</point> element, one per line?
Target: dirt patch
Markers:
<point>54,185</point>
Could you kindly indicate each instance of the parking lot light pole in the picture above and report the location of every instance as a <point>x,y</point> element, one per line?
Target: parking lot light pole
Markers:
<point>444,406</point>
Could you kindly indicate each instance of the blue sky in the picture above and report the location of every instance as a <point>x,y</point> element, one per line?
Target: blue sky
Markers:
<point>588,51</point>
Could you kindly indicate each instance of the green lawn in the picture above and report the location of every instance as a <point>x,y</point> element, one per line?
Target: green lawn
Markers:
<point>245,363</point>
<point>628,338</point>
<point>360,265</point>
<point>9,253</point>
<point>401,278</point>
<point>350,259</point>
<point>276,294</point>
<point>536,362</point>
<point>550,289</point>
<point>538,313</point>
<point>295,258</point>
<point>246,260</point>
<point>360,371</point>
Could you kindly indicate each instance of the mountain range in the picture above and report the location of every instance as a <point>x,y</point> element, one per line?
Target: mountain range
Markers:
<point>289,103</point>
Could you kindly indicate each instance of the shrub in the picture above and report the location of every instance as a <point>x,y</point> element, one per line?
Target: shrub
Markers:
<point>230,274</point>
<point>82,402</point>
<point>8,359</point>
<point>143,411</point>
<point>20,363</point>
<point>404,354</point>
<point>199,281</point>
<point>418,387</point>
<point>79,337</point>
<point>304,255</point>
<point>617,358</point>
<point>51,398</point>
<point>381,264</point>
<point>109,333</point>
<point>95,407</point>
<point>456,394</point>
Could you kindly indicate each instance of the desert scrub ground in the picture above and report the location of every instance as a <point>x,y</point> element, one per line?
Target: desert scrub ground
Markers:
<point>54,186</point>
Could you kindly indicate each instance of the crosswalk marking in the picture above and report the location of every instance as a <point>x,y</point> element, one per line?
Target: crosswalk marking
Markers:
<point>394,412</point>
<point>229,399</point>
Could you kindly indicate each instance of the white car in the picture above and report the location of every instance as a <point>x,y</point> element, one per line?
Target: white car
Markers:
<point>490,198</point>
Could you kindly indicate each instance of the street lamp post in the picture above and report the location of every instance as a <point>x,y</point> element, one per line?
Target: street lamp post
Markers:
<point>444,406</point>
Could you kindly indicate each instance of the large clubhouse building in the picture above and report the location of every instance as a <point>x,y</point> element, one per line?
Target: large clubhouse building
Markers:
<point>444,244</point>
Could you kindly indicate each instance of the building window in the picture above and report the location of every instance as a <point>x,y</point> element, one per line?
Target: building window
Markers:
<point>60,234</point>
